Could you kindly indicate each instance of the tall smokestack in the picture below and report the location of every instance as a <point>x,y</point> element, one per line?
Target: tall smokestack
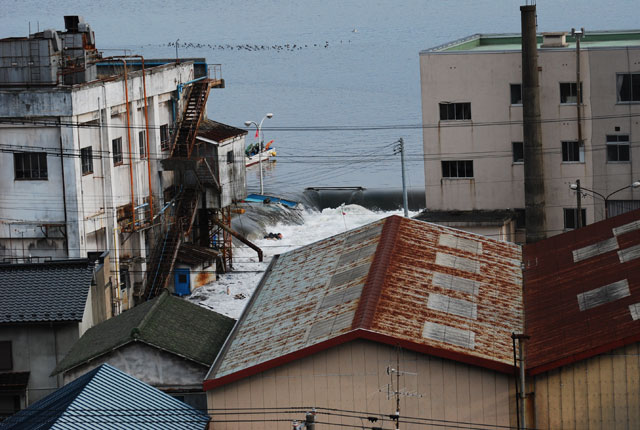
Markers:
<point>532,131</point>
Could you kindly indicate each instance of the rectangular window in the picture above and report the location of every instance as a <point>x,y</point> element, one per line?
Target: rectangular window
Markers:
<point>457,169</point>
<point>518,152</point>
<point>30,165</point>
<point>164,137</point>
<point>516,94</point>
<point>86,158</point>
<point>570,219</point>
<point>569,92</point>
<point>628,87</point>
<point>142,143</point>
<point>230,157</point>
<point>455,111</point>
<point>618,147</point>
<point>6,361</point>
<point>116,149</point>
<point>572,152</point>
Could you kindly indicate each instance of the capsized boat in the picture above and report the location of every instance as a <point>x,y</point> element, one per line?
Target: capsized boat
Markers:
<point>261,198</point>
<point>253,157</point>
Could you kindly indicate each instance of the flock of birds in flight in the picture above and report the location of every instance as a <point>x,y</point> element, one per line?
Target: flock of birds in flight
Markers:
<point>248,47</point>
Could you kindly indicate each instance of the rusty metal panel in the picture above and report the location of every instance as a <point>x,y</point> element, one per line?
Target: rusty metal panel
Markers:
<point>605,294</point>
<point>452,290</point>
<point>310,295</point>
<point>427,285</point>
<point>577,309</point>
<point>597,248</point>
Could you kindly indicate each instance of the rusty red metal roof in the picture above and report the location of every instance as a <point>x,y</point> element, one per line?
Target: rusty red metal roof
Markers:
<point>422,286</point>
<point>217,131</point>
<point>582,294</point>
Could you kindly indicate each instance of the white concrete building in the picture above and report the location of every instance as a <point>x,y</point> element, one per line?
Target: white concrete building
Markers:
<point>472,118</point>
<point>76,156</point>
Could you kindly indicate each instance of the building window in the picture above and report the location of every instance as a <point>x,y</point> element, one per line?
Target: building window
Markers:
<point>164,137</point>
<point>116,148</point>
<point>516,94</point>
<point>570,219</point>
<point>618,147</point>
<point>30,165</point>
<point>230,157</point>
<point>86,158</point>
<point>518,152</point>
<point>6,362</point>
<point>628,87</point>
<point>572,152</point>
<point>142,143</point>
<point>569,92</point>
<point>457,169</point>
<point>455,111</point>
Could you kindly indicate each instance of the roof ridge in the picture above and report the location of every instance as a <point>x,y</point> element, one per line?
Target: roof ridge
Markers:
<point>372,290</point>
<point>137,331</point>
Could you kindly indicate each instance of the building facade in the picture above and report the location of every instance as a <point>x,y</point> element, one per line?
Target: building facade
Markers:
<point>472,121</point>
<point>81,149</point>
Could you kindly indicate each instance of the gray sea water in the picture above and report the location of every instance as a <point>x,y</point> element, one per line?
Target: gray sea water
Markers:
<point>341,77</point>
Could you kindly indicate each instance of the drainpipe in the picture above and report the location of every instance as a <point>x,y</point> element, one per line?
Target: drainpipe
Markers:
<point>64,192</point>
<point>126,96</point>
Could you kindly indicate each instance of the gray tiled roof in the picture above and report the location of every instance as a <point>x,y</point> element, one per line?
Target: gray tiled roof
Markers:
<point>52,291</point>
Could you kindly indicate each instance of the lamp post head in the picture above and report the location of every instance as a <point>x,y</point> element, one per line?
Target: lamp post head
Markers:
<point>247,123</point>
<point>636,184</point>
<point>573,186</point>
<point>269,115</point>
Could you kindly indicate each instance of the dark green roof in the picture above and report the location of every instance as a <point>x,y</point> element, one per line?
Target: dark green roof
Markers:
<point>166,322</point>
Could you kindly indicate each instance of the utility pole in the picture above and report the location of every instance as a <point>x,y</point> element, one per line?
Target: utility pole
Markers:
<point>521,364</point>
<point>579,205</point>
<point>399,148</point>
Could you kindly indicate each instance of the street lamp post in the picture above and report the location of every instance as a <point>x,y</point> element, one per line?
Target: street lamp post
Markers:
<point>577,187</point>
<point>260,141</point>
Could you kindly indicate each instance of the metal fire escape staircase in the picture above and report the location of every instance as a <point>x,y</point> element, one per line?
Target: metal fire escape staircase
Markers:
<point>160,265</point>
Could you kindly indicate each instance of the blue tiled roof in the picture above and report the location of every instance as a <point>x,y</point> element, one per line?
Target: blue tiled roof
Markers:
<point>53,291</point>
<point>106,398</point>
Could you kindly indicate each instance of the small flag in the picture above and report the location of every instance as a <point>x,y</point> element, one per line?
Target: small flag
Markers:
<point>257,134</point>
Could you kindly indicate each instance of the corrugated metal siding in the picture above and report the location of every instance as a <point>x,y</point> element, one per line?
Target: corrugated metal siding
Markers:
<point>578,308</point>
<point>469,308</point>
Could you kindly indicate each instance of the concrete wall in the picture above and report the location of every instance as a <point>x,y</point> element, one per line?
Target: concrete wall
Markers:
<point>37,348</point>
<point>354,377</point>
<point>602,392</point>
<point>483,79</point>
<point>153,366</point>
<point>34,214</point>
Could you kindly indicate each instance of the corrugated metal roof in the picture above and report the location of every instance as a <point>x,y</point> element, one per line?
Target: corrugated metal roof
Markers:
<point>107,398</point>
<point>217,131</point>
<point>386,281</point>
<point>582,292</point>
<point>52,291</point>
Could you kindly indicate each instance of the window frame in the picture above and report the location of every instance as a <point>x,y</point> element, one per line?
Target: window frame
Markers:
<point>86,160</point>
<point>165,137</point>
<point>459,168</point>
<point>617,144</point>
<point>142,144</point>
<point>513,153</point>
<point>27,173</point>
<point>571,86</point>
<point>631,100</point>
<point>116,151</point>
<point>511,87</point>
<point>455,107</point>
<point>230,157</point>
<point>573,218</point>
<point>564,152</point>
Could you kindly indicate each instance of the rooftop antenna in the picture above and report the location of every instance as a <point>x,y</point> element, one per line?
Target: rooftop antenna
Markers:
<point>397,392</point>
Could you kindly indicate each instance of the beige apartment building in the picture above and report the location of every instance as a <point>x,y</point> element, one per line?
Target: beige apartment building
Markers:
<point>472,122</point>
